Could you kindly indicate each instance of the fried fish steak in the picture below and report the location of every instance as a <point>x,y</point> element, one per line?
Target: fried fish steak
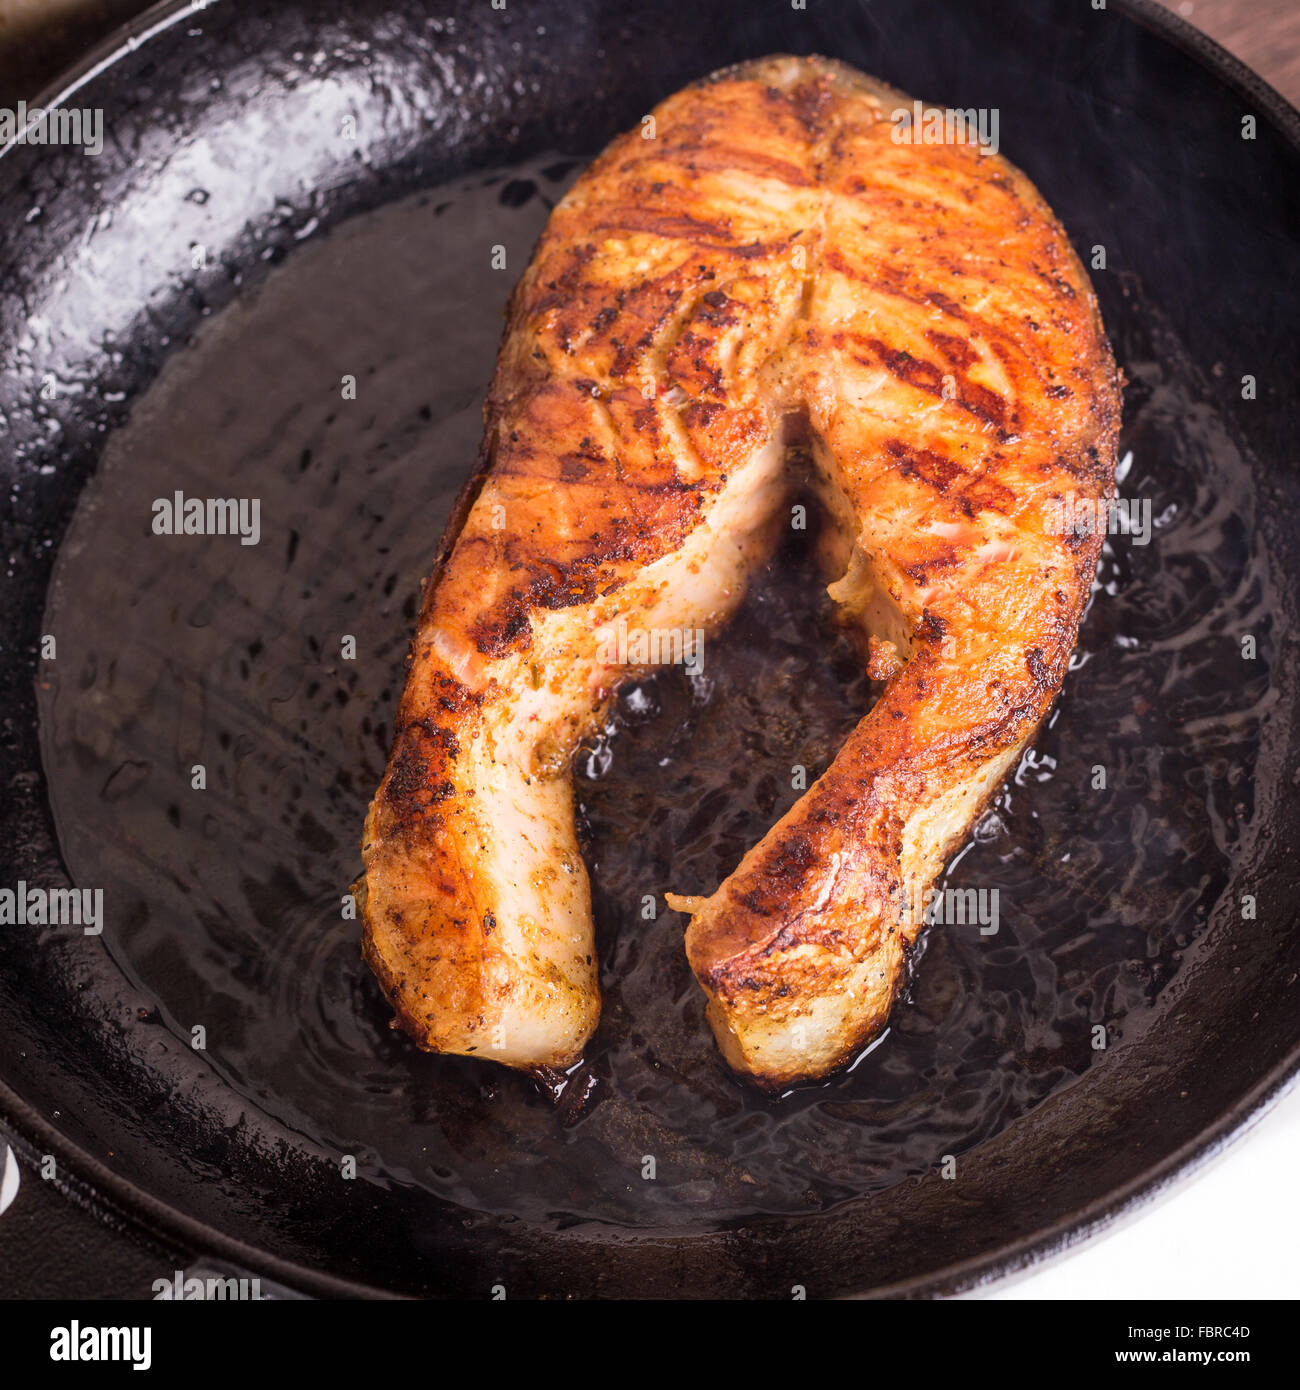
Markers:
<point>774,267</point>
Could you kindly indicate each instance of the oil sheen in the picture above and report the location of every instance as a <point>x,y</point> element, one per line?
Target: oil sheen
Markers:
<point>227,901</point>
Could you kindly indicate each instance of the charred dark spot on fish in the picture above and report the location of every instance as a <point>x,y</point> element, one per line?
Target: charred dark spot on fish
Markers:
<point>986,494</point>
<point>957,352</point>
<point>809,103</point>
<point>452,695</point>
<point>495,637</point>
<point>420,750</point>
<point>932,628</point>
<point>573,468</point>
<point>913,370</point>
<point>924,465</point>
<point>718,311</point>
<point>429,737</point>
<point>557,586</point>
<point>942,557</point>
<point>784,872</point>
<point>925,376</point>
<point>701,414</point>
<point>942,301</point>
<point>655,223</point>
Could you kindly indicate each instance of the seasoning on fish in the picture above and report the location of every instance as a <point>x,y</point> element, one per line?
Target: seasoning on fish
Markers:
<point>775,293</point>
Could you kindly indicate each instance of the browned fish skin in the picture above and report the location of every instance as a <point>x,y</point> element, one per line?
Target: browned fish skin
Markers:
<point>772,260</point>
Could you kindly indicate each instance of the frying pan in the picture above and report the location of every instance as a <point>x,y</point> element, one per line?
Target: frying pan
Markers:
<point>225,130</point>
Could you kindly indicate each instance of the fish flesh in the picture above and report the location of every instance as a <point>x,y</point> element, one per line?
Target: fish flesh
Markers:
<point>766,291</point>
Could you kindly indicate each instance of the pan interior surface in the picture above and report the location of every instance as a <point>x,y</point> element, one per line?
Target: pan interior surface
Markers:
<point>346,178</point>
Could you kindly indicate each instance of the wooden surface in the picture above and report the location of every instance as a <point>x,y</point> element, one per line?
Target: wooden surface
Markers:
<point>39,37</point>
<point>1264,34</point>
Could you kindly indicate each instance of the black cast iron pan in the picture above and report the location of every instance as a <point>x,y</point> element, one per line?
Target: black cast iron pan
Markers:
<point>292,196</point>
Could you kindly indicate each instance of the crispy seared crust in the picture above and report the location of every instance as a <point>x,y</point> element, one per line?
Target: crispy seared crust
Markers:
<point>772,259</point>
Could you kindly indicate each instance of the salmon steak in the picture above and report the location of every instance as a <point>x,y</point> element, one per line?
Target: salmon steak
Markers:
<point>772,288</point>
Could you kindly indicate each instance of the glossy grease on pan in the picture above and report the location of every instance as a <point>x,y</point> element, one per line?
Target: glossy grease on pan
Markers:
<point>176,651</point>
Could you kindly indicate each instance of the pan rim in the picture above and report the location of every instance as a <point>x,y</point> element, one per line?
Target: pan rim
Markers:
<point>85,1179</point>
